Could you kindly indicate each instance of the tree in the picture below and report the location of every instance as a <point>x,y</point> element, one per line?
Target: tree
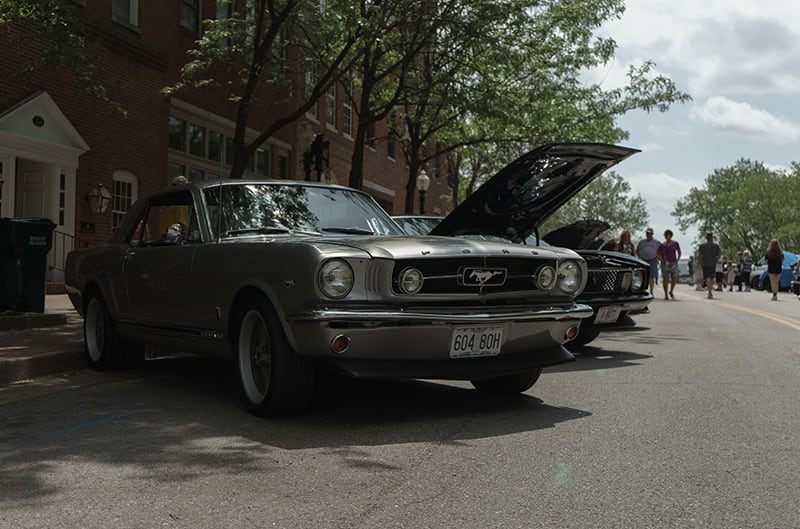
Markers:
<point>607,198</point>
<point>507,76</point>
<point>296,47</point>
<point>745,205</point>
<point>63,44</point>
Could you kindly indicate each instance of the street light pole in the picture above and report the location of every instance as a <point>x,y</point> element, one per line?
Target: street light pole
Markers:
<point>423,183</point>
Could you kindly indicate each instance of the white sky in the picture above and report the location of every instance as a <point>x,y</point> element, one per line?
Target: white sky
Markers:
<point>740,62</point>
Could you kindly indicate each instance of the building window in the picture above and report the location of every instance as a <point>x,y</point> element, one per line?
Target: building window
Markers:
<point>177,134</point>
<point>62,198</point>
<point>123,194</point>
<point>190,15</point>
<point>262,162</point>
<point>197,140</point>
<point>283,166</point>
<point>330,107</point>
<point>311,82</point>
<point>390,147</point>
<point>125,12</point>
<point>347,109</point>
<point>214,145</point>
<point>370,140</point>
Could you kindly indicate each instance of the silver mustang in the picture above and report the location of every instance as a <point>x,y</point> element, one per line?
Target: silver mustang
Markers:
<point>290,277</point>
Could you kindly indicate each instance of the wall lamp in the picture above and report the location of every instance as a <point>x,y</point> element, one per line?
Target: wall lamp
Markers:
<point>99,199</point>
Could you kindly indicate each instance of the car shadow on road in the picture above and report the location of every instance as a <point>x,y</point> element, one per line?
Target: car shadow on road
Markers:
<point>174,419</point>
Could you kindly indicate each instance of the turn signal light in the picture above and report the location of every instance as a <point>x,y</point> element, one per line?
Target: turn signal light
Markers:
<point>571,333</point>
<point>341,343</point>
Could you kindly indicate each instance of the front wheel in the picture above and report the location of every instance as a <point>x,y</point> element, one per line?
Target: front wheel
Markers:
<point>274,379</point>
<point>508,384</point>
<point>105,349</point>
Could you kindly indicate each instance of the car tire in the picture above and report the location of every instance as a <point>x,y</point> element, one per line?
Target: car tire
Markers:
<point>273,378</point>
<point>105,349</point>
<point>508,384</point>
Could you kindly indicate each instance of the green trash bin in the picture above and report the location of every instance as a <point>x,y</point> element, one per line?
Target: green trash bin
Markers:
<point>24,245</point>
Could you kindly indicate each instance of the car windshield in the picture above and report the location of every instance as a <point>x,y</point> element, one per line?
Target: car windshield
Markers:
<point>272,208</point>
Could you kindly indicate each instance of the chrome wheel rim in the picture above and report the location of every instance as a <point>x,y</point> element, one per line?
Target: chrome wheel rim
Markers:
<point>94,325</point>
<point>255,356</point>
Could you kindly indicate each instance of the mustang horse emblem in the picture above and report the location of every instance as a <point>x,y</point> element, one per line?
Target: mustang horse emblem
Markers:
<point>481,277</point>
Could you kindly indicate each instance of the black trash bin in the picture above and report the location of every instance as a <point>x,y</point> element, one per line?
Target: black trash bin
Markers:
<point>24,244</point>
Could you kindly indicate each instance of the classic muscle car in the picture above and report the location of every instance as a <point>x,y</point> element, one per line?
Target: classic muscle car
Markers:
<point>290,277</point>
<point>617,284</point>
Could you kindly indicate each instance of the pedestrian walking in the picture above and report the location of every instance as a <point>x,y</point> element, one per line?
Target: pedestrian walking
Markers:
<point>746,269</point>
<point>624,244</point>
<point>669,252</point>
<point>647,250</point>
<point>708,254</point>
<point>774,256</point>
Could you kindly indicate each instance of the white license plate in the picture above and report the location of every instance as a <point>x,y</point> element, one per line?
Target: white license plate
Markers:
<point>470,341</point>
<point>607,315</point>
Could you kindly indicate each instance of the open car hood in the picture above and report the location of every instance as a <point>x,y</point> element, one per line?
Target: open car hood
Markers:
<point>581,235</point>
<point>515,201</point>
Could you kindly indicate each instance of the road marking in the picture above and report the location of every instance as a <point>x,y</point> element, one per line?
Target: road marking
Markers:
<point>83,426</point>
<point>790,322</point>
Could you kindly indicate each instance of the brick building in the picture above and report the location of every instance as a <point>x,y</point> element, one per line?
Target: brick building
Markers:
<point>58,145</point>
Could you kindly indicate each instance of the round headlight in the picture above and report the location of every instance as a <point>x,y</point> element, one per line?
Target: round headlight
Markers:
<point>410,281</point>
<point>569,277</point>
<point>546,278</point>
<point>335,278</point>
<point>638,280</point>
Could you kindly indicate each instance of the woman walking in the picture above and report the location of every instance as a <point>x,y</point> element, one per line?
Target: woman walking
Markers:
<point>624,244</point>
<point>774,257</point>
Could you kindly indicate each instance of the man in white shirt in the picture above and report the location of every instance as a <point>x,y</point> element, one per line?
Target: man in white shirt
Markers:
<point>647,250</point>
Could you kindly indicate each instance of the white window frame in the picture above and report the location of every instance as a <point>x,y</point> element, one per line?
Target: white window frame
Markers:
<point>126,178</point>
<point>133,14</point>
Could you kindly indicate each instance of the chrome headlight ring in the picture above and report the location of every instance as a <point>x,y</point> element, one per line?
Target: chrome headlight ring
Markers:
<point>638,280</point>
<point>546,278</point>
<point>336,278</point>
<point>410,281</point>
<point>570,277</point>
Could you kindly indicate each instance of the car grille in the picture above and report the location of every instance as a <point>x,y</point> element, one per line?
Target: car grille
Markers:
<point>609,281</point>
<point>445,276</point>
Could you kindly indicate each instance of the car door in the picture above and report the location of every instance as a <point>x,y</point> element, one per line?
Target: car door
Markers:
<point>158,265</point>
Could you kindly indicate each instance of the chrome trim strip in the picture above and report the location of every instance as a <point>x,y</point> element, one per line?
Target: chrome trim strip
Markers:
<point>544,314</point>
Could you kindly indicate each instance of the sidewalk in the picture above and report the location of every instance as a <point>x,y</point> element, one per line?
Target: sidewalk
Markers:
<point>34,345</point>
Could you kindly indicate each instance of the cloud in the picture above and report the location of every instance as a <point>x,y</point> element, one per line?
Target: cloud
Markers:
<point>743,119</point>
<point>717,46</point>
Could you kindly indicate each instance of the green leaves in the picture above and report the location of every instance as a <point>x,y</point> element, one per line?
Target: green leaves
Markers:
<point>746,205</point>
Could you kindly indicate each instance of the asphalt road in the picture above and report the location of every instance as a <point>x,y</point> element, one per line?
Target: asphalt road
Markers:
<point>689,420</point>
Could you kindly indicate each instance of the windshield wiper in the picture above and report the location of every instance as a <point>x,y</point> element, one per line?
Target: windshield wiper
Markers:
<point>262,229</point>
<point>353,230</point>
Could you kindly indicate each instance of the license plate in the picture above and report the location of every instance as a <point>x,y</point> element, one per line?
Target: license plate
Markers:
<point>467,342</point>
<point>607,315</point>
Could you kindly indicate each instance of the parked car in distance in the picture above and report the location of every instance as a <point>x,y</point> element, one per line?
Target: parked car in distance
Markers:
<point>617,284</point>
<point>759,279</point>
<point>289,277</point>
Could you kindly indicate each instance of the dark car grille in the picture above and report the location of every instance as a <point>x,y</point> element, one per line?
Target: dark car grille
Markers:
<point>454,275</point>
<point>611,281</point>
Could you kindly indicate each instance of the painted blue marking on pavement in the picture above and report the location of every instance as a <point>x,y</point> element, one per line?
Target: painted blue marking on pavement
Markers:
<point>59,433</point>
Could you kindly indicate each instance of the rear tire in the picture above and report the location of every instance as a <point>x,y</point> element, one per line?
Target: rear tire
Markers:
<point>105,349</point>
<point>273,378</point>
<point>508,384</point>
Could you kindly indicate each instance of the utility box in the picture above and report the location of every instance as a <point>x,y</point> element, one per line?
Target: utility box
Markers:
<point>24,245</point>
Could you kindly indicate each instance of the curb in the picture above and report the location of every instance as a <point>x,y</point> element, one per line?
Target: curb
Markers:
<point>22,368</point>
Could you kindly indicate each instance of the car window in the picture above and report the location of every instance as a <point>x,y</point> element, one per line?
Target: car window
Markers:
<point>273,208</point>
<point>167,220</point>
